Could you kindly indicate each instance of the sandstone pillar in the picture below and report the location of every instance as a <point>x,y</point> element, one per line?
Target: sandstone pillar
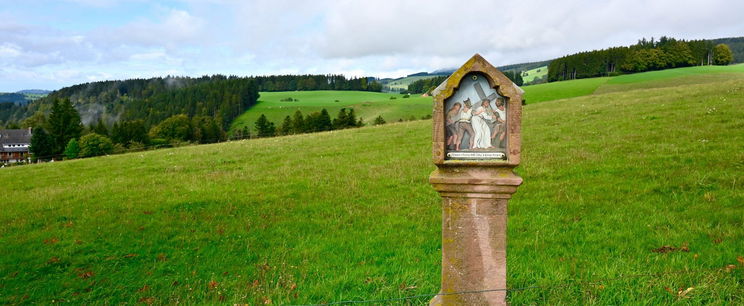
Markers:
<point>474,216</point>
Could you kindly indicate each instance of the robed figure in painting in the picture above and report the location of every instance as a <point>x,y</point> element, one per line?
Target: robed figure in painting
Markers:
<point>482,139</point>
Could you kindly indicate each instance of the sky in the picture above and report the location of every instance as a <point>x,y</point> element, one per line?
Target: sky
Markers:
<point>57,43</point>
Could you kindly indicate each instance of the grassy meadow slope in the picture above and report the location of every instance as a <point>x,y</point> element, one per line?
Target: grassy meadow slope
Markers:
<point>350,214</point>
<point>652,79</point>
<point>402,83</point>
<point>367,105</point>
<point>535,73</point>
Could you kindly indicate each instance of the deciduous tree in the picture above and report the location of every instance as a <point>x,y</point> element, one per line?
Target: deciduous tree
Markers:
<point>722,55</point>
<point>95,145</point>
<point>72,150</point>
<point>177,127</point>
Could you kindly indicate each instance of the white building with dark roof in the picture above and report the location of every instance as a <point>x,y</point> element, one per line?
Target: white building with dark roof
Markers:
<point>14,145</point>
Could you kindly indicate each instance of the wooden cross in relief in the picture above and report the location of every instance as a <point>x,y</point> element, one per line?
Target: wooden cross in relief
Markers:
<point>482,94</point>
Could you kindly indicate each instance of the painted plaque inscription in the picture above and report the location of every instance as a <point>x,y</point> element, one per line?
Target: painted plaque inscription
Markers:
<point>475,119</point>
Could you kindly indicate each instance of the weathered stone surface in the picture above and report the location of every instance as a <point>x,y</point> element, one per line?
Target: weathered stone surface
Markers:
<point>475,195</point>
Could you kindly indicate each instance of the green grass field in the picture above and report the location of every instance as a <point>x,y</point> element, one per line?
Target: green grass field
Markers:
<point>533,74</point>
<point>561,90</point>
<point>367,105</point>
<point>652,79</point>
<point>402,83</point>
<point>350,214</point>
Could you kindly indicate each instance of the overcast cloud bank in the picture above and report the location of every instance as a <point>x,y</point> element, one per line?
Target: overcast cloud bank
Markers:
<point>52,44</point>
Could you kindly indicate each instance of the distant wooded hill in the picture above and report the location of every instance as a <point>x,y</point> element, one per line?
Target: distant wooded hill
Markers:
<point>524,66</point>
<point>152,100</point>
<point>155,99</point>
<point>22,96</point>
<point>8,97</point>
<point>34,92</point>
<point>12,104</point>
<point>316,82</point>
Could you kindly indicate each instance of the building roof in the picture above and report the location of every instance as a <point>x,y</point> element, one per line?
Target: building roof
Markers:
<point>14,137</point>
<point>16,149</point>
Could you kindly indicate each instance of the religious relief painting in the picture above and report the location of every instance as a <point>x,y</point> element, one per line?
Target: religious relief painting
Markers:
<point>475,121</point>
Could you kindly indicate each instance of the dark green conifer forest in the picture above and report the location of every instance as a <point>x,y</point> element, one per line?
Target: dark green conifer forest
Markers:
<point>646,55</point>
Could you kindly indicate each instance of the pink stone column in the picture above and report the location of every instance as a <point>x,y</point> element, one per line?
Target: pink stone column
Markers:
<point>474,216</point>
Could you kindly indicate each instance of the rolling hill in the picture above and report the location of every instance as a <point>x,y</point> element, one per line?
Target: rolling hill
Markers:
<point>22,96</point>
<point>367,105</point>
<point>7,97</point>
<point>41,92</point>
<point>652,79</point>
<point>628,196</point>
<point>400,84</point>
<point>535,75</point>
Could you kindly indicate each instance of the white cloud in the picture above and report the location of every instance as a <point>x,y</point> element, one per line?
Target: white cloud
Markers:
<point>8,50</point>
<point>173,29</point>
<point>381,38</point>
<point>513,30</point>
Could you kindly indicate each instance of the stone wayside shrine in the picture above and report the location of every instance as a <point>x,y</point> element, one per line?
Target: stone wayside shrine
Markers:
<point>476,145</point>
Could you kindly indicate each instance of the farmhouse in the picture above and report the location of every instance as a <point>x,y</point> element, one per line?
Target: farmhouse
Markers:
<point>14,145</point>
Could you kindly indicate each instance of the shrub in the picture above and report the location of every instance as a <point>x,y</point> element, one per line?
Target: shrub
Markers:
<point>95,145</point>
<point>119,148</point>
<point>72,150</point>
<point>136,146</point>
<point>177,127</point>
<point>379,120</point>
<point>159,143</point>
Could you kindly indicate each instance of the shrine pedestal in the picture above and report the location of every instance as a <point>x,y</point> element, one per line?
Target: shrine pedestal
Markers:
<point>474,216</point>
<point>476,144</point>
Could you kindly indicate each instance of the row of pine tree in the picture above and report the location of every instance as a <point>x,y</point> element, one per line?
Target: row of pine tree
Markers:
<point>646,55</point>
<point>300,124</point>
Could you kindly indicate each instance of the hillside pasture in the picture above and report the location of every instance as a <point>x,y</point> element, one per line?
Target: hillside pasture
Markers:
<point>630,197</point>
<point>561,90</point>
<point>651,79</point>
<point>672,77</point>
<point>367,105</point>
<point>533,74</point>
<point>402,83</point>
